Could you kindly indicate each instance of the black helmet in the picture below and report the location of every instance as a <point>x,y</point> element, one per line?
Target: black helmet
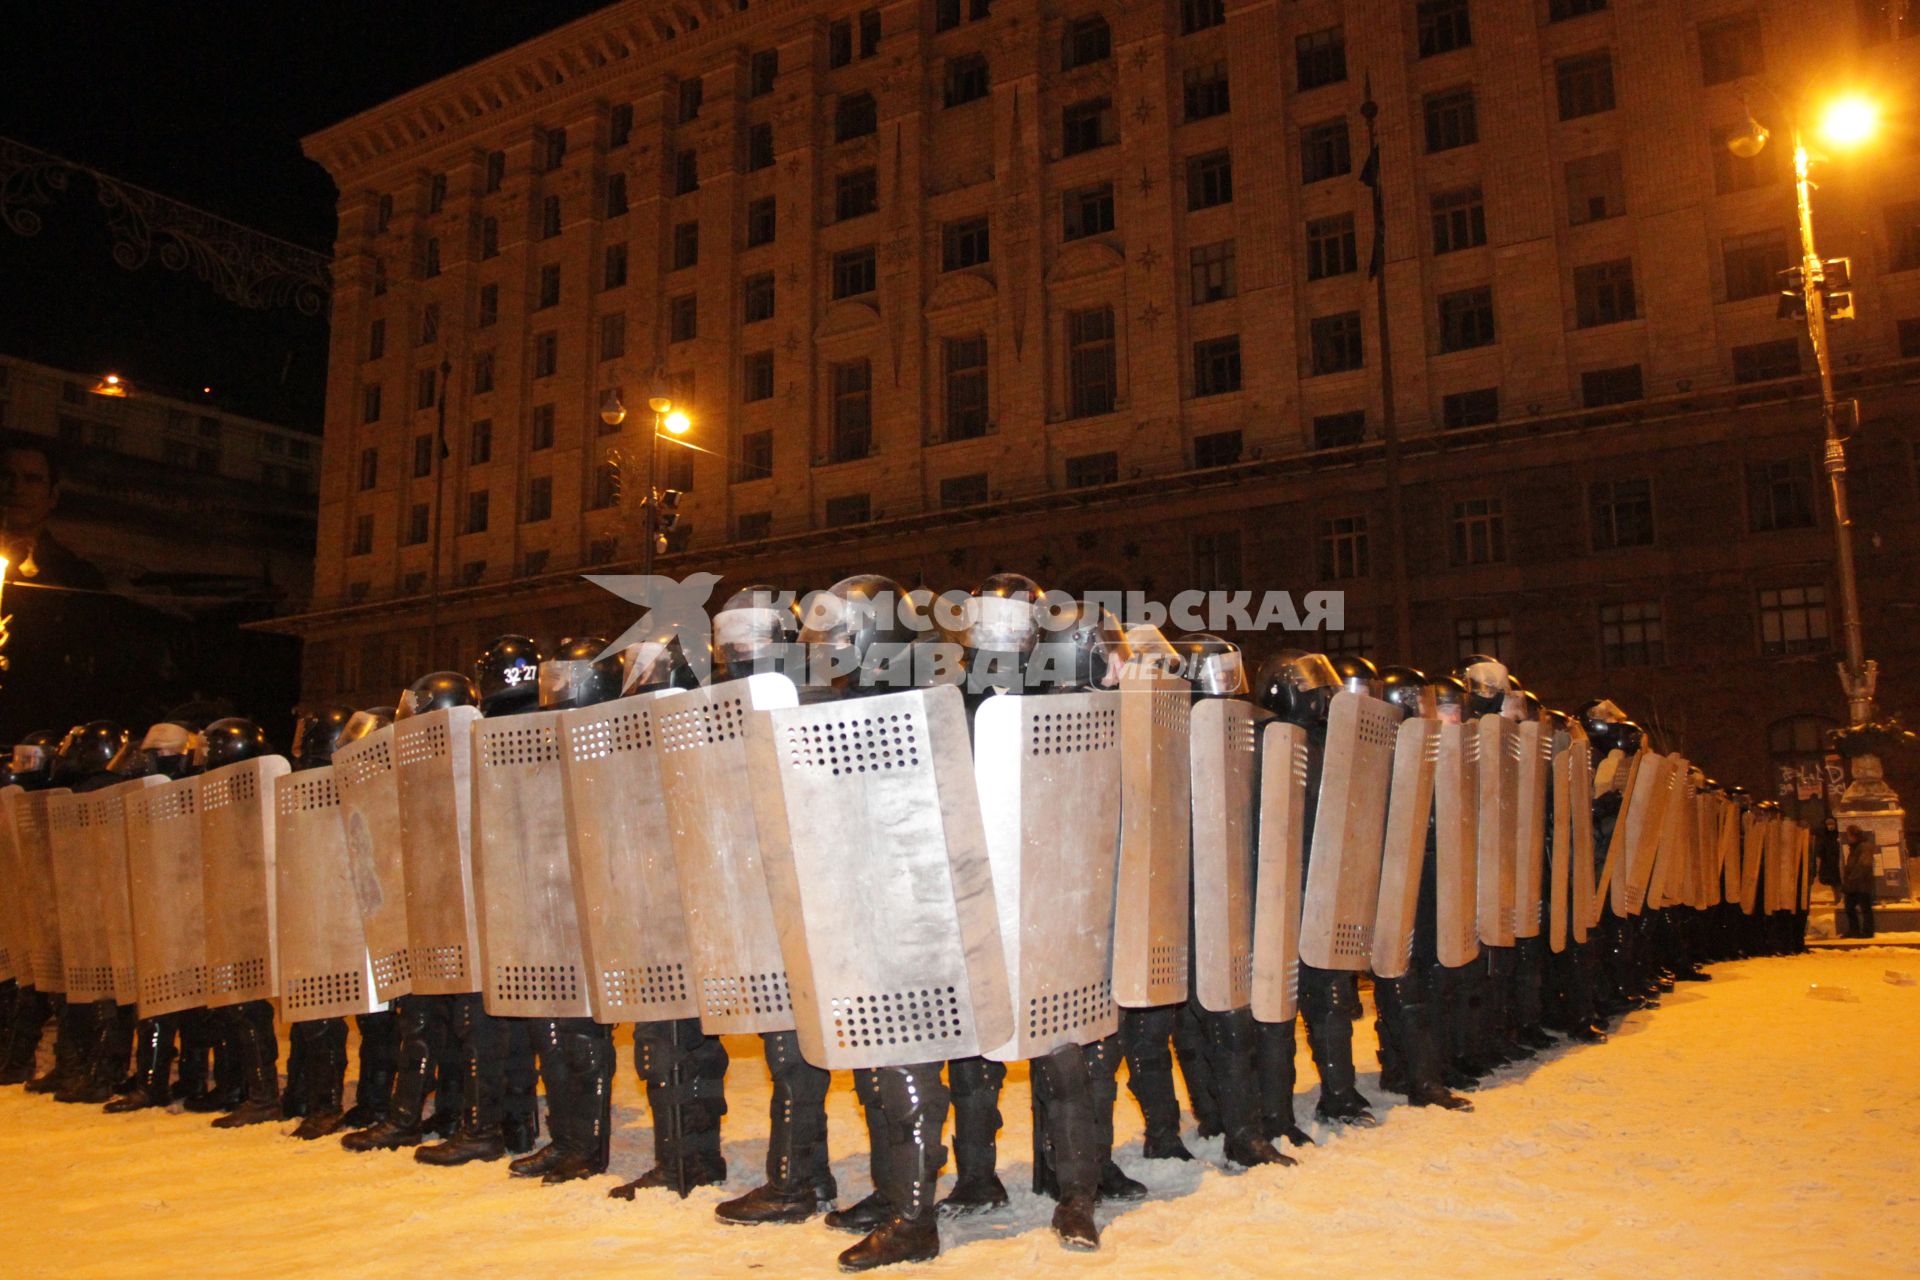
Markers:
<point>1215,667</point>
<point>753,628</point>
<point>1450,699</point>
<point>651,665</point>
<point>33,758</point>
<point>856,627</point>
<point>362,723</point>
<point>1357,675</point>
<point>508,675</point>
<point>1406,688</point>
<point>577,676</point>
<point>1088,649</point>
<point>87,750</point>
<point>436,692</point>
<point>234,739</point>
<point>1297,686</point>
<point>1487,682</point>
<point>316,732</point>
<point>1629,737</point>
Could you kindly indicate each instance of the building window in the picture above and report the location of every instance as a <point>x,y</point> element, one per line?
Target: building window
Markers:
<point>1621,384</point>
<point>540,434</point>
<point>1209,180</point>
<point>1211,267</point>
<point>483,373</point>
<point>1479,532</point>
<point>855,194</point>
<point>1585,85</point>
<point>855,116</point>
<point>604,487</point>
<point>539,499</point>
<point>1087,212</point>
<point>382,215</point>
<point>1335,343</point>
<point>964,491</point>
<point>965,361</point>
<point>1730,49</point>
<point>362,536</point>
<point>759,147</point>
<point>1216,366</point>
<point>851,508</point>
<point>1779,495</point>
<point>549,290</point>
<point>1492,636</point>
<point>1765,361</point>
<point>1466,319</point>
<point>1733,173</point>
<point>379,276</point>
<point>686,245</point>
<point>480,442</point>
<point>752,526</point>
<point>761,221</point>
<point>1320,57</point>
<point>1793,620</point>
<point>1903,235</point>
<point>1331,247</point>
<point>546,354</point>
<point>549,217</point>
<point>419,520</point>
<point>1451,120</point>
<point>1343,548</point>
<point>966,79</point>
<point>619,125</point>
<point>429,324</point>
<point>430,258</point>
<point>1339,430</point>
<point>534,562</point>
<point>1198,15</point>
<point>1206,91</point>
<point>870,27</point>
<point>616,195</point>
<point>686,172</point>
<point>1092,372</point>
<point>839,43</point>
<point>1217,449</point>
<point>1603,293</point>
<point>1909,331</point>
<point>496,171</point>
<point>613,336</point>
<point>963,244</point>
<point>613,268</point>
<point>426,385</point>
<point>756,455</point>
<point>1085,126</point>
<point>489,311</point>
<point>1561,10</point>
<point>762,72</point>
<point>1474,408</point>
<point>1632,635</point>
<point>854,273</point>
<point>1351,642</point>
<point>756,381</point>
<point>1622,513</point>
<point>1324,152</point>
<point>693,92</point>
<point>1459,219</point>
<point>422,456</point>
<point>489,238</point>
<point>1216,560</point>
<point>1753,264</point>
<point>369,468</point>
<point>683,318</point>
<point>756,295</point>
<point>852,421</point>
<point>477,512</point>
<point>553,151</point>
<point>1087,41</point>
<point>376,339</point>
<point>1596,188</point>
<point>1090,469</point>
<point>1443,26</point>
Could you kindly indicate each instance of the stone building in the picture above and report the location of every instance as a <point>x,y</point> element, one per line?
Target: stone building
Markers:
<point>1082,289</point>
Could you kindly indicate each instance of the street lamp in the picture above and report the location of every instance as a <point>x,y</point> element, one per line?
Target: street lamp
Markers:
<point>667,419</point>
<point>1847,122</point>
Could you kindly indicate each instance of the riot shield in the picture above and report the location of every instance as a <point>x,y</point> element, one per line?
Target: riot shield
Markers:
<point>1532,777</point>
<point>368,784</point>
<point>434,756</point>
<point>1416,751</point>
<point>164,885</point>
<point>628,891</point>
<point>1151,913</point>
<point>740,975</point>
<point>1641,820</point>
<point>1610,889</point>
<point>1667,874</point>
<point>885,892</point>
<point>1349,831</point>
<point>326,970</point>
<point>1586,896</point>
<point>1222,767</point>
<point>1456,816</point>
<point>1803,857</point>
<point>523,885</point>
<point>1752,846</point>
<point>16,936</point>
<point>1729,852</point>
<point>83,925</point>
<point>1497,839</point>
<point>236,858</point>
<point>112,869</point>
<point>1280,879</point>
<point>1560,835</point>
<point>27,815</point>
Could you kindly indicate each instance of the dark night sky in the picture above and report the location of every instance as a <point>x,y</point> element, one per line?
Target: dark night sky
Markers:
<point>206,102</point>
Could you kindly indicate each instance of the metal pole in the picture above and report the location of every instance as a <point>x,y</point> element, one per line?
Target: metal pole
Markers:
<point>1389,422</point>
<point>646,549</point>
<point>439,504</point>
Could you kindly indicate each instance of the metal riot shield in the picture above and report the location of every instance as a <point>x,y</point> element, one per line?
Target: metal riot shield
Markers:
<point>1729,851</point>
<point>1706,848</point>
<point>1151,912</point>
<point>366,775</point>
<point>1499,822</point>
<point>326,969</point>
<point>1349,828</point>
<point>878,865</point>
<point>1610,889</point>
<point>1532,777</point>
<point>1456,816</point>
<point>1403,860</point>
<point>1560,835</point>
<point>164,881</point>
<point>1280,876</point>
<point>82,925</point>
<point>1752,847</point>
<point>1641,819</point>
<point>1803,858</point>
<point>16,935</point>
<point>112,858</point>
<point>523,884</point>
<point>236,858</point>
<point>1586,895</point>
<point>1670,848</point>
<point>701,735</point>
<point>434,756</point>
<point>1223,733</point>
<point>27,815</point>
<point>627,889</point>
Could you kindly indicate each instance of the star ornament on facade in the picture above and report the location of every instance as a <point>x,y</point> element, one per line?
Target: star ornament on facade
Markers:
<point>1143,111</point>
<point>1141,57</point>
<point>1147,183</point>
<point>1149,258</point>
<point>1151,316</point>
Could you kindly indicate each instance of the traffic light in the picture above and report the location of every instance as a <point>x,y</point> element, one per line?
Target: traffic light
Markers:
<point>1836,288</point>
<point>1793,294</point>
<point>665,517</point>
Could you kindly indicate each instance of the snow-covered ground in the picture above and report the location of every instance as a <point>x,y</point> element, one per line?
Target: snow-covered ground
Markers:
<point>1763,1124</point>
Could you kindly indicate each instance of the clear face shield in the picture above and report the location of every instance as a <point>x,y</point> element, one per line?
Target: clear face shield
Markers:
<point>1148,652</point>
<point>1487,680</point>
<point>31,757</point>
<point>563,679</point>
<point>1217,672</point>
<point>647,664</point>
<point>1002,624</point>
<point>752,634</point>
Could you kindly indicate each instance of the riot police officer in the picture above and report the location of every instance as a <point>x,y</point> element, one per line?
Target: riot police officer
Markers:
<point>31,767</point>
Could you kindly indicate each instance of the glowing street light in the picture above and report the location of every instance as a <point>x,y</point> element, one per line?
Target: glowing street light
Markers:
<point>1849,121</point>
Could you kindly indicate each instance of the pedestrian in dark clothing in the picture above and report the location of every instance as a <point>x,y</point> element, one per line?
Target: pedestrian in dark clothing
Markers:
<point>1826,855</point>
<point>1857,874</point>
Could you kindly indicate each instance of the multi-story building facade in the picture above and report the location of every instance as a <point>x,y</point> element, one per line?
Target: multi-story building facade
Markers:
<point>1085,289</point>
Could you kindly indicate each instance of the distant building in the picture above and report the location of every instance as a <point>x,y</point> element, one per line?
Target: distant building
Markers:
<point>1081,289</point>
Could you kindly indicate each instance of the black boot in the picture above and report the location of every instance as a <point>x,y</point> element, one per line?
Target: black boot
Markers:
<point>1103,1079</point>
<point>448,1103</point>
<point>76,1030</point>
<point>301,1037</point>
<point>588,1048</point>
<point>1230,1058</point>
<point>867,1215</point>
<point>152,1063</point>
<point>1144,1037</point>
<point>228,1088</point>
<point>260,1061</point>
<point>379,1058</point>
<point>558,1078</point>
<point>1190,1047</point>
<point>1063,1085</point>
<point>423,1025</point>
<point>484,1043</point>
<point>24,1028</point>
<point>326,1085</point>
<point>1274,1051</point>
<point>685,1073</point>
<point>103,1062</point>
<point>914,1101</point>
<point>1419,1041</point>
<point>974,1086</point>
<point>1328,1003</point>
<point>799,1181</point>
<point>197,1032</point>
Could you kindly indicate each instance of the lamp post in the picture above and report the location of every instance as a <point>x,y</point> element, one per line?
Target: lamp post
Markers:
<point>667,419</point>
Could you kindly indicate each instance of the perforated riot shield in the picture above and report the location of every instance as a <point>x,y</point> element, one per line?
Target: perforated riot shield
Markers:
<point>367,777</point>
<point>1223,733</point>
<point>884,890</point>
<point>1456,816</point>
<point>1416,751</point>
<point>326,968</point>
<point>1280,879</point>
<point>1670,844</point>
<point>1497,837</point>
<point>434,756</point>
<point>536,966</point>
<point>1642,817</point>
<point>740,975</point>
<point>112,857</point>
<point>1151,912</point>
<point>1349,829</point>
<point>27,815</point>
<point>625,881</point>
<point>1586,895</point>
<point>236,858</point>
<point>164,881</point>
<point>1533,776</point>
<point>83,933</point>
